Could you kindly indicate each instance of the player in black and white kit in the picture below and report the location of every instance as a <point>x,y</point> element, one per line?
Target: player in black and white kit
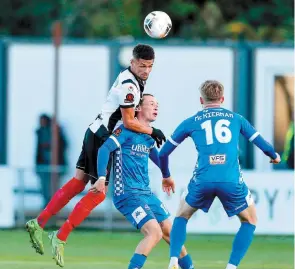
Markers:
<point>118,108</point>
<point>123,97</point>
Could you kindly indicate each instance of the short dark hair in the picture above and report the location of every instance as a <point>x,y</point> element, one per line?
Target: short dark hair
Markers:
<point>145,52</point>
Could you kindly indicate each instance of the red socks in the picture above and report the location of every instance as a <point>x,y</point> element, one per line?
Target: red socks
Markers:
<point>81,211</point>
<point>60,199</point>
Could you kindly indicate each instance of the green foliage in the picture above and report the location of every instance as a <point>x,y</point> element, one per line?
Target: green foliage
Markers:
<point>269,20</point>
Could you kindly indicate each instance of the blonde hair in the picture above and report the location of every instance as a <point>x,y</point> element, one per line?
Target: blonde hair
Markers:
<point>211,90</point>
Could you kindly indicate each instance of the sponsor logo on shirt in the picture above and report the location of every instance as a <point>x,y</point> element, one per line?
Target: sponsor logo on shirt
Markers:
<point>140,148</point>
<point>217,159</point>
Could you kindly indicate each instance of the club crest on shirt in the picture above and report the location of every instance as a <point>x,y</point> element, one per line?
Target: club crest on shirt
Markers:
<point>129,98</point>
<point>117,132</point>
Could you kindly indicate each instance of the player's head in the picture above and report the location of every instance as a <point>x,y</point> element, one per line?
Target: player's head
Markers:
<point>44,120</point>
<point>147,109</point>
<point>142,61</point>
<point>211,92</point>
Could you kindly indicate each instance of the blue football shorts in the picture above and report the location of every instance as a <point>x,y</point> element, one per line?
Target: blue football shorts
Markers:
<point>139,209</point>
<point>235,197</point>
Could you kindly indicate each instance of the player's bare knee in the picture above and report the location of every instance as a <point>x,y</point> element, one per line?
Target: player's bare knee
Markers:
<point>166,227</point>
<point>156,233</point>
<point>159,235</point>
<point>249,215</point>
<point>80,174</point>
<point>185,210</point>
<point>252,220</point>
<point>152,229</point>
<point>185,213</point>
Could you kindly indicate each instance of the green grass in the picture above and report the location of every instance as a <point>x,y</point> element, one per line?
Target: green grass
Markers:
<point>101,250</point>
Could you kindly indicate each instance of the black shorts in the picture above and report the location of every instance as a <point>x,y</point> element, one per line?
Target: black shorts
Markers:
<point>88,157</point>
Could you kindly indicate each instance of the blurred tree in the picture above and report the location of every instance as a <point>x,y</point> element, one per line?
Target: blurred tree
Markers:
<point>103,18</point>
<point>270,20</point>
<point>31,18</point>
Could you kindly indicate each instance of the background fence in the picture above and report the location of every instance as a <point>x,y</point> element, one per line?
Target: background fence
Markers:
<point>258,80</point>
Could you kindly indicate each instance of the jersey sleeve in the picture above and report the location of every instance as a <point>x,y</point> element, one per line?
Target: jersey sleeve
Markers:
<point>120,135</point>
<point>180,133</point>
<point>103,156</point>
<point>128,92</point>
<point>154,156</point>
<point>247,130</point>
<point>114,142</point>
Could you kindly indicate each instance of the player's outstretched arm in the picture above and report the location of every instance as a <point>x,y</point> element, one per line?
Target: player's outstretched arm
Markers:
<point>164,157</point>
<point>129,121</point>
<point>168,184</point>
<point>267,148</point>
<point>154,156</point>
<point>249,132</point>
<point>181,132</point>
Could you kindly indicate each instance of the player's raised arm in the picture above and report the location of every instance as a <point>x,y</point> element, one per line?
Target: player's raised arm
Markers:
<point>181,133</point>
<point>249,132</point>
<point>132,124</point>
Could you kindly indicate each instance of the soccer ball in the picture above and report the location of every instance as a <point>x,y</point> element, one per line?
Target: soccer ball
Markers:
<point>157,24</point>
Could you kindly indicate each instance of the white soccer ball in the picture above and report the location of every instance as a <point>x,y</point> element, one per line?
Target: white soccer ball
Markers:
<point>157,24</point>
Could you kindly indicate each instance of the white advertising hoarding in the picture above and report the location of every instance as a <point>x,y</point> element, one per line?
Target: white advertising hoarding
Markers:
<point>83,85</point>
<point>273,193</point>
<point>7,208</point>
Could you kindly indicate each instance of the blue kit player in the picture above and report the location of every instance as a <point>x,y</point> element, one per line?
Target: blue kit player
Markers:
<point>215,132</point>
<point>132,194</point>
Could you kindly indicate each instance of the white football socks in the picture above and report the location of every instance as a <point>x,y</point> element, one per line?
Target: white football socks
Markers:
<point>173,262</point>
<point>230,266</point>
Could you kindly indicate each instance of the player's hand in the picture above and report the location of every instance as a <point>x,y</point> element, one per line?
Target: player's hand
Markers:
<point>99,186</point>
<point>168,184</point>
<point>159,137</point>
<point>276,160</point>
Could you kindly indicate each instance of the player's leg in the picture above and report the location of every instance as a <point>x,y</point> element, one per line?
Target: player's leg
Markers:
<point>178,232</point>
<point>152,235</point>
<point>57,202</point>
<point>80,212</point>
<point>199,196</point>
<point>73,187</point>
<point>162,216</point>
<point>237,200</point>
<point>68,191</point>
<point>84,207</point>
<point>137,211</point>
<point>244,236</point>
<point>185,260</point>
<point>61,198</point>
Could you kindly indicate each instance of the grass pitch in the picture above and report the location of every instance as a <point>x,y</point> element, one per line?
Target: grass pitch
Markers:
<point>96,249</point>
